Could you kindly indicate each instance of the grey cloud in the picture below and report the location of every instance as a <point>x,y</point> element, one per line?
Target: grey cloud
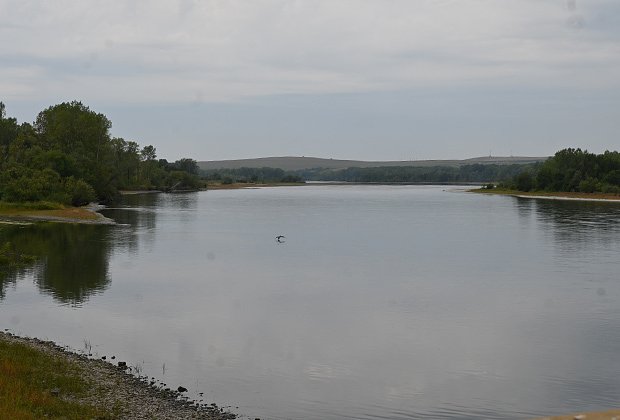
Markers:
<point>307,47</point>
<point>326,77</point>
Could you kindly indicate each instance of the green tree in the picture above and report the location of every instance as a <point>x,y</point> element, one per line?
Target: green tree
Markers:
<point>68,156</point>
<point>188,165</point>
<point>524,181</point>
<point>83,135</point>
<point>8,133</point>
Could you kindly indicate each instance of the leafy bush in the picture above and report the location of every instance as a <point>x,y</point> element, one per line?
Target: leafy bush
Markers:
<point>610,189</point>
<point>613,177</point>
<point>23,184</point>
<point>79,192</point>
<point>291,178</point>
<point>589,185</point>
<point>524,181</point>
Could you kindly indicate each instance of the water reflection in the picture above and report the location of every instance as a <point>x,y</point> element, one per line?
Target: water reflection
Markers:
<point>578,217</point>
<point>138,216</point>
<point>72,259</point>
<point>575,225</point>
<point>10,274</point>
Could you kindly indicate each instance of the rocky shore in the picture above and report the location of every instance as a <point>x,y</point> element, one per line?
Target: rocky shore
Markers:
<point>113,386</point>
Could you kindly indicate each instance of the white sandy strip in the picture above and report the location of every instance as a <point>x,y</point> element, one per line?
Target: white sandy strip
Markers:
<point>555,197</point>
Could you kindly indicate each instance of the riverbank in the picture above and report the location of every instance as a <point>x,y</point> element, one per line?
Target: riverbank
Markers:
<point>134,192</point>
<point>575,196</point>
<point>12,213</point>
<point>40,379</point>
<point>241,185</point>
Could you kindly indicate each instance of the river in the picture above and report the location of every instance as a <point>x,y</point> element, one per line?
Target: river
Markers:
<point>381,302</point>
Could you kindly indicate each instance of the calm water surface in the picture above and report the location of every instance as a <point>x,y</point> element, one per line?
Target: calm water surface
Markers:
<point>383,303</point>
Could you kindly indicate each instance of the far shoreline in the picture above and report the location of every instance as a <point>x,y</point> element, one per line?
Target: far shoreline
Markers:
<point>249,185</point>
<point>14,213</point>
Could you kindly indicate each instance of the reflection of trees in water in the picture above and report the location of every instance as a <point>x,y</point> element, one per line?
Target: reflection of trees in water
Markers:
<point>139,213</point>
<point>73,259</point>
<point>10,272</point>
<point>576,224</point>
<point>525,209</point>
<point>579,216</point>
<point>10,276</point>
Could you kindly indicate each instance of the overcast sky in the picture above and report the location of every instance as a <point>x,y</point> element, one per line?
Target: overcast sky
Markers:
<point>360,79</point>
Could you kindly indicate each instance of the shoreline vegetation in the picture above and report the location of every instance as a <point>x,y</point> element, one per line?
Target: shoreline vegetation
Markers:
<point>571,174</point>
<point>51,212</point>
<point>68,156</point>
<point>11,213</point>
<point>39,379</point>
<point>243,185</point>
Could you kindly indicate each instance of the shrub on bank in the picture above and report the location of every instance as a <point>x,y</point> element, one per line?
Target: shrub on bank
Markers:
<point>79,192</point>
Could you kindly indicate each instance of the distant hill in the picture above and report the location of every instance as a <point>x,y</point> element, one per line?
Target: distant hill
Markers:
<point>294,163</point>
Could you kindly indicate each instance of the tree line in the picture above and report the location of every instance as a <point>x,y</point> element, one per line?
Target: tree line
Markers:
<point>67,155</point>
<point>572,170</point>
<point>251,175</point>
<point>389,174</point>
<point>403,174</point>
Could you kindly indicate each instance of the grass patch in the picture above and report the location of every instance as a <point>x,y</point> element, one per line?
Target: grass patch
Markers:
<point>500,191</point>
<point>45,209</point>
<point>36,385</point>
<point>28,205</point>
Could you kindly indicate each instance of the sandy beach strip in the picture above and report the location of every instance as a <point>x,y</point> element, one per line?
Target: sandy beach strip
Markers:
<point>564,198</point>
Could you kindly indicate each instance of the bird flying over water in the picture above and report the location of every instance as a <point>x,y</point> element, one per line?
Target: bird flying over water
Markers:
<point>280,237</point>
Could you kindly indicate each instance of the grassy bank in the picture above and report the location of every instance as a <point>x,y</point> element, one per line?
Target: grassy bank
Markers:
<point>43,210</point>
<point>569,195</point>
<point>41,380</point>
<point>35,385</point>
